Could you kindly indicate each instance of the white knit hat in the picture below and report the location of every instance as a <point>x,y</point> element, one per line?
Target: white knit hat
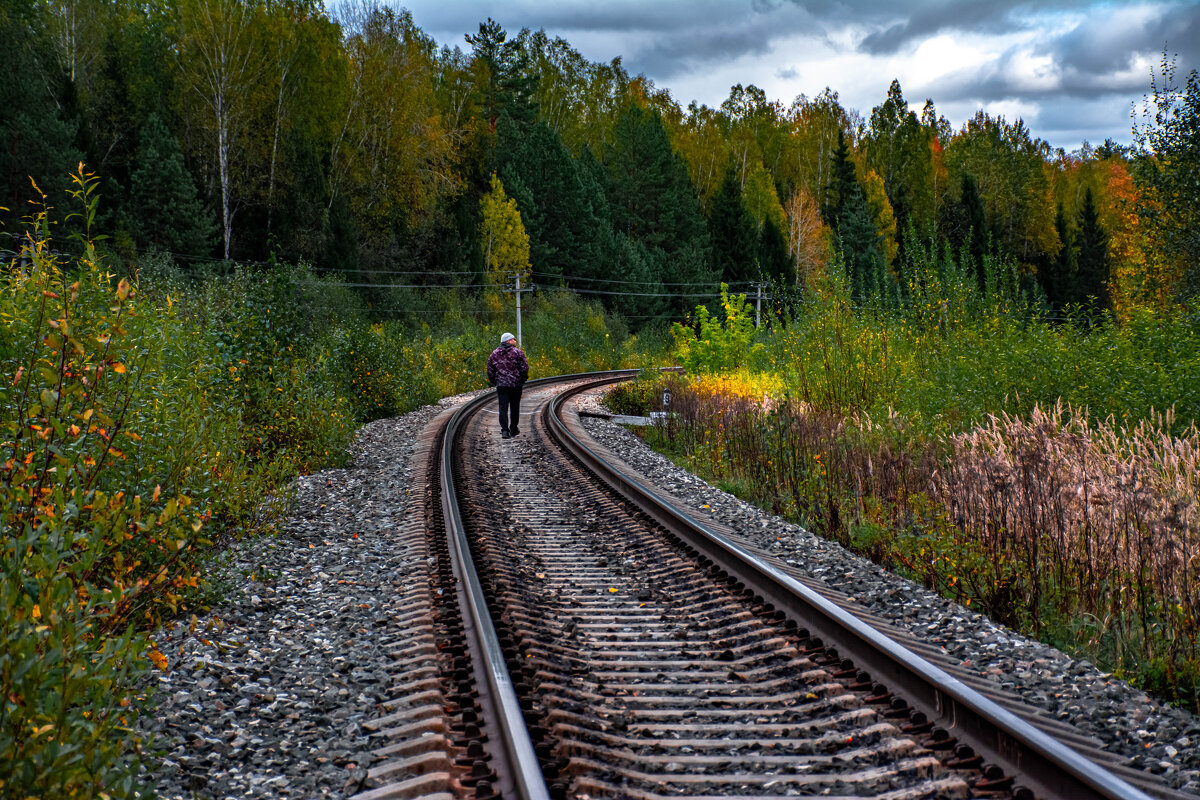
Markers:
<point>504,337</point>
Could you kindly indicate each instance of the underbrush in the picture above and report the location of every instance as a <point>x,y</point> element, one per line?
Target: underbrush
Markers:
<point>145,421</point>
<point>1077,531</point>
<point>1015,465</point>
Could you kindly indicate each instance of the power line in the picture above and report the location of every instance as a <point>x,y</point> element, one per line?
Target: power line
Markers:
<point>387,271</point>
<point>643,283</point>
<point>395,312</point>
<point>249,262</point>
<point>421,286</point>
<point>640,294</point>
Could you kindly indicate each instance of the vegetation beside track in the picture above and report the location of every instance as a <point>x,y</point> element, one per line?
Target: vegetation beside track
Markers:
<point>148,418</point>
<point>1045,472</point>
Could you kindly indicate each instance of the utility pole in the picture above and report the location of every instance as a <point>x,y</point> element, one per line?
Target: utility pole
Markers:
<point>520,340</point>
<point>758,306</point>
<point>518,290</point>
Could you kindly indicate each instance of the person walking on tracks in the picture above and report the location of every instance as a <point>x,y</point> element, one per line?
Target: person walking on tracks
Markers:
<point>508,370</point>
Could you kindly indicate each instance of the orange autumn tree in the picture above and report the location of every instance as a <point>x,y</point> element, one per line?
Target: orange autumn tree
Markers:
<point>1134,280</point>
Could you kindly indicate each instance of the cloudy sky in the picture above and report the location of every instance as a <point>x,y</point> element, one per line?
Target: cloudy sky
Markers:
<point>1070,69</point>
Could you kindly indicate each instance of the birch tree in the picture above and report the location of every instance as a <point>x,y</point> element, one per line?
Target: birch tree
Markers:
<point>502,235</point>
<point>392,154</point>
<point>76,30</point>
<point>221,62</point>
<point>808,237</point>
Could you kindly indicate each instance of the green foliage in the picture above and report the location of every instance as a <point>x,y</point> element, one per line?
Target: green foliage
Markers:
<point>898,149</point>
<point>637,398</point>
<point>164,209</point>
<point>715,345</point>
<point>969,225</point>
<point>1093,267</point>
<point>653,201</point>
<point>37,143</point>
<point>1057,274</point>
<point>878,402</point>
<point>502,235</point>
<point>733,233</point>
<point>140,422</point>
<point>83,555</point>
<point>564,214</point>
<point>1168,168</point>
<point>509,87</point>
<point>1007,165</point>
<point>774,261</point>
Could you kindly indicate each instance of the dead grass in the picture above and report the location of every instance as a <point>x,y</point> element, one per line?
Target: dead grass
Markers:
<point>1104,514</point>
<point>1081,531</point>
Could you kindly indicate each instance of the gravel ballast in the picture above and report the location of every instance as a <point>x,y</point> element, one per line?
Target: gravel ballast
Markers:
<point>267,695</point>
<point>1149,734</point>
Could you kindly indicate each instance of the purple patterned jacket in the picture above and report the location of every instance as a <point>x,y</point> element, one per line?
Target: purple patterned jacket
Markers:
<point>507,366</point>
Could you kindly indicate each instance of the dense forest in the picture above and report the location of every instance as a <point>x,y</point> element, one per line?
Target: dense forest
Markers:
<point>280,131</point>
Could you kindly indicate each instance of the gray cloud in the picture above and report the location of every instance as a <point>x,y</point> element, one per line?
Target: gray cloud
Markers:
<point>931,19</point>
<point>665,38</point>
<point>681,41</point>
<point>1103,44</point>
<point>1091,62</point>
<point>667,56</point>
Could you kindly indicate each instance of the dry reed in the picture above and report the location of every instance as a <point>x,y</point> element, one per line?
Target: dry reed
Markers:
<point>1079,530</point>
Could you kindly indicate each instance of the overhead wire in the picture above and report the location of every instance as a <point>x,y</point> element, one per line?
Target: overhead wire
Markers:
<point>552,276</point>
<point>442,273</point>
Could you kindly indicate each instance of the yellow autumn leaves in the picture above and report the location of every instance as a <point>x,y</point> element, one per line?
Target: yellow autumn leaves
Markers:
<point>502,235</point>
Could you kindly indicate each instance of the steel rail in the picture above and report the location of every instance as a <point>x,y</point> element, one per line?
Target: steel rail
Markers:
<point>1035,760</point>
<point>502,709</point>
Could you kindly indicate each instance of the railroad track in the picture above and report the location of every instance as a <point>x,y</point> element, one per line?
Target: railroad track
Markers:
<point>596,641</point>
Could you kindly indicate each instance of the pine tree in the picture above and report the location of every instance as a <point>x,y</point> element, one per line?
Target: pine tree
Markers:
<point>774,262</point>
<point>340,238</point>
<point>733,233</point>
<point>868,272</point>
<point>35,140</point>
<point>849,213</point>
<point>653,202</point>
<point>1092,243</point>
<point>842,181</point>
<point>1057,274</point>
<point>973,224</point>
<point>164,208</point>
<point>509,86</point>
<point>562,223</point>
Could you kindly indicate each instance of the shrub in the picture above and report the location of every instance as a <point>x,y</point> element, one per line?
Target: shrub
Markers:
<point>716,346</point>
<point>1038,522</point>
<point>83,556</point>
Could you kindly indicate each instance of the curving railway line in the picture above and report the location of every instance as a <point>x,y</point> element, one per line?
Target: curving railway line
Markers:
<point>594,640</point>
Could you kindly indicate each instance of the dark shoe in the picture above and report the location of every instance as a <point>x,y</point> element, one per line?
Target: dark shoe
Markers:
<point>515,431</point>
<point>505,435</point>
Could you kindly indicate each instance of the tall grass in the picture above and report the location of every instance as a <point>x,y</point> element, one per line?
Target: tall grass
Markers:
<point>1107,514</point>
<point>1044,472</point>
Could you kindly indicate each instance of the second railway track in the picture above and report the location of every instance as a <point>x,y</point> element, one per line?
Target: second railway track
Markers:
<point>614,648</point>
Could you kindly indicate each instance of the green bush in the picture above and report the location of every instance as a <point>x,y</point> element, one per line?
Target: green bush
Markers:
<point>715,345</point>
<point>1039,471</point>
<point>83,555</point>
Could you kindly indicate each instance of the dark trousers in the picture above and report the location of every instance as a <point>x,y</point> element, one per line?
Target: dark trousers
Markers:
<point>510,398</point>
